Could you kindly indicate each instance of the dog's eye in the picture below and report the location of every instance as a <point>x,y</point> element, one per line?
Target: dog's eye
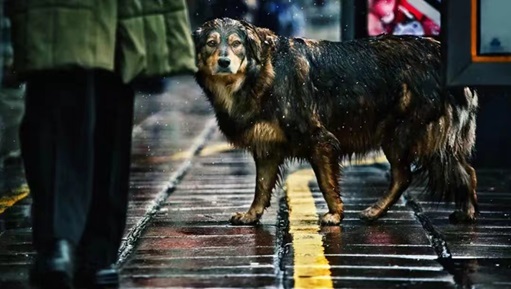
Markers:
<point>211,43</point>
<point>236,43</point>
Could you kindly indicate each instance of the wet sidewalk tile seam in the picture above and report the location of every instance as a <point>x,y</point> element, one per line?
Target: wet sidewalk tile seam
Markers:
<point>134,234</point>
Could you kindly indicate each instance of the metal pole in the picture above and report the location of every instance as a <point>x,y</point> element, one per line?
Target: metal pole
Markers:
<point>353,19</point>
<point>347,19</point>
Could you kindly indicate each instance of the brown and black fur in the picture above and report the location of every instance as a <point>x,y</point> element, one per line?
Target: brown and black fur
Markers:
<point>320,101</point>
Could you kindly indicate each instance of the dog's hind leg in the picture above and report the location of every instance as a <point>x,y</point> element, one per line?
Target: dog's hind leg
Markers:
<point>267,172</point>
<point>401,178</point>
<point>466,206</point>
<point>452,178</point>
<point>325,163</point>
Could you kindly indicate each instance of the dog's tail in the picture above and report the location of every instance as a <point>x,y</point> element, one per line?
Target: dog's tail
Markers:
<point>448,179</point>
<point>447,173</point>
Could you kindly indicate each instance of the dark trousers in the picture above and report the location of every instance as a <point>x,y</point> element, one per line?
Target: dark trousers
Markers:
<point>76,141</point>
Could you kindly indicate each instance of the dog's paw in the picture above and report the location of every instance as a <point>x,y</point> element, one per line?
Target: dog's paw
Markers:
<point>244,219</point>
<point>330,219</point>
<point>371,213</point>
<point>460,217</point>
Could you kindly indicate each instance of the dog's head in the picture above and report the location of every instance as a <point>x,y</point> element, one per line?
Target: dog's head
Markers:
<point>226,46</point>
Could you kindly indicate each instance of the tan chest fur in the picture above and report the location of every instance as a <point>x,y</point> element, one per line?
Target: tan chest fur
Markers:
<point>264,132</point>
<point>223,90</point>
<point>262,138</point>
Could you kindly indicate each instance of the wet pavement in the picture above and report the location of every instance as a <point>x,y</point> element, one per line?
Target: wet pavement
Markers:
<point>187,181</point>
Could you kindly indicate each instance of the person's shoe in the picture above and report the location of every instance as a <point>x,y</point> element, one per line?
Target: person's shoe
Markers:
<point>53,267</point>
<point>103,278</point>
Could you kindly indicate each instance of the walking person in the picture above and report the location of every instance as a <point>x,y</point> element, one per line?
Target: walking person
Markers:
<point>78,59</point>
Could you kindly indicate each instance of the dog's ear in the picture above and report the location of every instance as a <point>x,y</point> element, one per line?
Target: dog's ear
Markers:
<point>260,41</point>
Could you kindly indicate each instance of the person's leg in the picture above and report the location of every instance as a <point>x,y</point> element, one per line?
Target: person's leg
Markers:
<point>57,147</point>
<point>112,145</point>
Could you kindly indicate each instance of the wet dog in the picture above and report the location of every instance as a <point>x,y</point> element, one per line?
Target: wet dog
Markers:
<point>292,98</point>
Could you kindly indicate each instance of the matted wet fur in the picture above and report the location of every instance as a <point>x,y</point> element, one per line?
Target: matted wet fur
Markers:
<point>292,98</point>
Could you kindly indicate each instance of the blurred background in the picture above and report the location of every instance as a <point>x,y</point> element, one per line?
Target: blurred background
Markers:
<point>307,18</point>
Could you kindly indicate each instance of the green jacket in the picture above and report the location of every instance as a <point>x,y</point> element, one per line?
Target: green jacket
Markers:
<point>135,38</point>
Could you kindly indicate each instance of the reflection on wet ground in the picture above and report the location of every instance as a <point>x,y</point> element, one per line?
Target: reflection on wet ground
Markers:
<point>182,197</point>
<point>482,273</point>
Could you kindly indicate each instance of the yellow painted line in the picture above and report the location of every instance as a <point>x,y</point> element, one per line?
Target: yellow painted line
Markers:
<point>311,268</point>
<point>207,151</point>
<point>13,197</point>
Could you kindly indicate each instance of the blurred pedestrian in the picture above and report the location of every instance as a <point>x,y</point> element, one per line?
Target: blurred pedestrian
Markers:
<point>78,59</point>
<point>281,16</point>
<point>11,112</point>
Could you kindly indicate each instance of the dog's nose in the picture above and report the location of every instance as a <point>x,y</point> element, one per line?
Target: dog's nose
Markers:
<point>224,62</point>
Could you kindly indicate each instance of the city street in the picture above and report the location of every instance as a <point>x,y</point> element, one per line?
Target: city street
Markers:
<point>187,181</point>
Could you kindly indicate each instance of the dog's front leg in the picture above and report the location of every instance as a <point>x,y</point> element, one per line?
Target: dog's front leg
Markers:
<point>325,163</point>
<point>268,169</point>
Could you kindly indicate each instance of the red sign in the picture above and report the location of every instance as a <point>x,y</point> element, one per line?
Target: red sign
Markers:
<point>403,17</point>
